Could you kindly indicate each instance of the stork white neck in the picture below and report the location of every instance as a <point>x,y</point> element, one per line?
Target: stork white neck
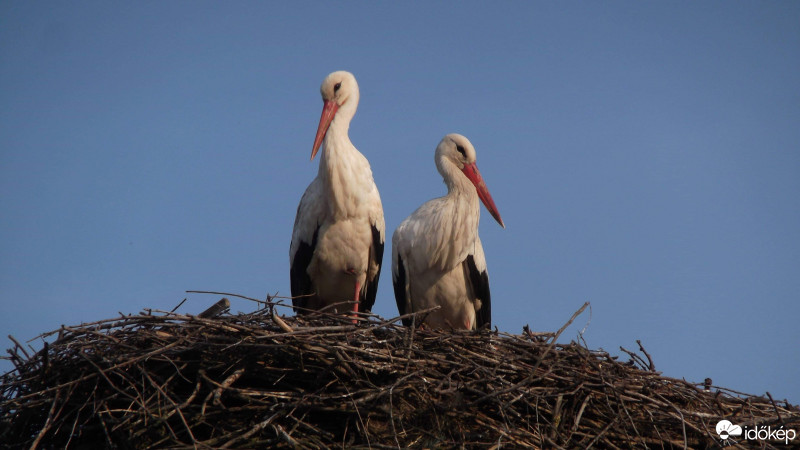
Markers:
<point>457,183</point>
<point>337,140</point>
<point>344,171</point>
<point>461,215</point>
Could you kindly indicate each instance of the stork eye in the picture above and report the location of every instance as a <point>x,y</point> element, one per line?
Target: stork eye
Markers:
<point>461,150</point>
<point>337,86</point>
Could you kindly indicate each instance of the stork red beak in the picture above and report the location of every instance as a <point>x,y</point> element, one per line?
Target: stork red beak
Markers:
<point>328,112</point>
<point>471,171</point>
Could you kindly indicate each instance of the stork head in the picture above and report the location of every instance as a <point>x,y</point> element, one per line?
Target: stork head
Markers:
<point>338,89</point>
<point>457,150</point>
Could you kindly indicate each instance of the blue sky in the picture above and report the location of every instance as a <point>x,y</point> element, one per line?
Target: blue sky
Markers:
<point>645,157</point>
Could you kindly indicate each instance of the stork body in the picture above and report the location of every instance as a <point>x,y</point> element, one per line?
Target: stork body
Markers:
<point>437,256</point>
<point>338,237</point>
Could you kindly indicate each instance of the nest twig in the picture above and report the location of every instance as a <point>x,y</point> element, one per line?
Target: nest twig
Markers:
<point>318,381</point>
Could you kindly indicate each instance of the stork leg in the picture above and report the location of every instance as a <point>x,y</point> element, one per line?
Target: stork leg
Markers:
<point>356,301</point>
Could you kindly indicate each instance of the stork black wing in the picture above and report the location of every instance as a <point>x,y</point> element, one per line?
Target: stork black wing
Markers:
<point>400,290</point>
<point>375,251</point>
<point>300,280</point>
<point>480,286</point>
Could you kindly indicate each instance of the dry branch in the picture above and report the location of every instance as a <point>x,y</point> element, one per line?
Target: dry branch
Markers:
<point>215,309</point>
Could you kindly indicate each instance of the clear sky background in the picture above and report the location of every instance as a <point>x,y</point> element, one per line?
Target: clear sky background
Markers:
<point>645,157</point>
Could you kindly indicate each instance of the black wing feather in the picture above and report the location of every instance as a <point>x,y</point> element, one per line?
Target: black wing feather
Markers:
<point>300,280</point>
<point>480,286</point>
<point>372,285</point>
<point>400,290</point>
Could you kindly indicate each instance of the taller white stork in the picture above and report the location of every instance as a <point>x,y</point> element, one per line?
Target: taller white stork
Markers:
<point>337,242</point>
<point>437,256</point>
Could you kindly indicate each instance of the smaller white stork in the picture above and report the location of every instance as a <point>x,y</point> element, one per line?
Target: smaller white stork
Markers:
<point>437,257</point>
<point>337,242</point>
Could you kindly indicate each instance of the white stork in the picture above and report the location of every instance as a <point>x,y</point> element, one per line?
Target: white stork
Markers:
<point>437,257</point>
<point>337,242</point>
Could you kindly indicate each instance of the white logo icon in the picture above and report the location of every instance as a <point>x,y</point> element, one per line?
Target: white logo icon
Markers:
<point>726,429</point>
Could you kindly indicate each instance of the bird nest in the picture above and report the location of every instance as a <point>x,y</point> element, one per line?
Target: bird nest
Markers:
<point>162,379</point>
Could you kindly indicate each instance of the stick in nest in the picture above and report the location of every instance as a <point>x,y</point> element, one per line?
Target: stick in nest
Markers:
<point>277,319</point>
<point>216,309</point>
